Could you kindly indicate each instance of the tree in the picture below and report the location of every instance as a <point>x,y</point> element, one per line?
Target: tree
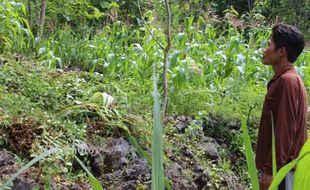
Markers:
<point>166,50</point>
<point>42,18</point>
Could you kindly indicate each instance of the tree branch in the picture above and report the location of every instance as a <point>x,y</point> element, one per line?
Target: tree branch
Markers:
<point>166,52</point>
<point>148,29</point>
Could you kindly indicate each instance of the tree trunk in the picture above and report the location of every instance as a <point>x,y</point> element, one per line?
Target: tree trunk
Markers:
<point>42,18</point>
<point>29,14</point>
<point>250,5</point>
<point>36,7</point>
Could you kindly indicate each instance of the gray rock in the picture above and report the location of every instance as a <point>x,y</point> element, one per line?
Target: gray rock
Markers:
<point>207,139</point>
<point>6,158</point>
<point>182,123</point>
<point>180,183</point>
<point>175,170</point>
<point>233,125</point>
<point>22,183</point>
<point>138,170</point>
<point>116,154</point>
<point>210,150</point>
<point>201,180</point>
<point>185,152</point>
<point>181,126</point>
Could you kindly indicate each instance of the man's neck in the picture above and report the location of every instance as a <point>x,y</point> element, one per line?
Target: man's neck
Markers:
<point>278,67</point>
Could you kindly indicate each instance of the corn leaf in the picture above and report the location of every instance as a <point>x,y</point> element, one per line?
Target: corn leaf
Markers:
<point>94,182</point>
<point>157,143</point>
<point>274,157</point>
<point>281,174</point>
<point>301,175</point>
<point>249,155</point>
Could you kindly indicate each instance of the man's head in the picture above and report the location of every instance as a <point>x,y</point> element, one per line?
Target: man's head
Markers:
<point>286,42</point>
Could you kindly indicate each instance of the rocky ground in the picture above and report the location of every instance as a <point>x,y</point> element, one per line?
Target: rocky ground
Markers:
<point>196,151</point>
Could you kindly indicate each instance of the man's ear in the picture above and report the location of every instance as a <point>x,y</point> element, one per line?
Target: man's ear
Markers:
<point>283,52</point>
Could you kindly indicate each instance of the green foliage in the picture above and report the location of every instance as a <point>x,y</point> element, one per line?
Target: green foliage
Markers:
<point>241,6</point>
<point>202,58</point>
<point>290,12</point>
<point>79,14</point>
<point>95,183</point>
<point>15,32</point>
<point>303,68</point>
<point>120,10</point>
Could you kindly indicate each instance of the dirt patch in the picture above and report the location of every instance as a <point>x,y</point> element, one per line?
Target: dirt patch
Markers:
<point>22,134</point>
<point>9,167</point>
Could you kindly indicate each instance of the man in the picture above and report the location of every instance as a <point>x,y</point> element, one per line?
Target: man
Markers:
<point>285,104</point>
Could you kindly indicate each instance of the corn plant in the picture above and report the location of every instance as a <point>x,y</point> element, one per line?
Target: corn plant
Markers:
<point>201,57</point>
<point>15,32</point>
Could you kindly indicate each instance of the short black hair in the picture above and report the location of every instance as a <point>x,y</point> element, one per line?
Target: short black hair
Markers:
<point>290,38</point>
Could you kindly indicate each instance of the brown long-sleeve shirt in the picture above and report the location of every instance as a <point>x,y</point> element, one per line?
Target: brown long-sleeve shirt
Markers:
<point>287,100</point>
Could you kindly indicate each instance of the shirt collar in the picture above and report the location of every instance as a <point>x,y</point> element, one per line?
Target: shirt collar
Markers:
<point>283,70</point>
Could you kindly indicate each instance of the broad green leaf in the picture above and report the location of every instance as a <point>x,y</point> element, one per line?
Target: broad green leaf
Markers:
<point>249,155</point>
<point>301,175</point>
<point>281,174</point>
<point>157,142</point>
